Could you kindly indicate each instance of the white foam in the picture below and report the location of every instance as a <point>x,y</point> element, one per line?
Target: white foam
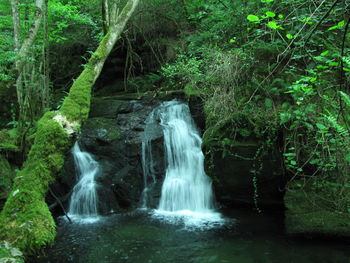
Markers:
<point>191,220</point>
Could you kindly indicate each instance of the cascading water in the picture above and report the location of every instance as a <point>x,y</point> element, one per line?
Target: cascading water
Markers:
<point>186,188</point>
<point>148,171</point>
<point>83,202</point>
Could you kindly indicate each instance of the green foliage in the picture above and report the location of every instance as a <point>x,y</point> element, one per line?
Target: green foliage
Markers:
<point>259,78</point>
<point>8,140</point>
<point>70,24</point>
<point>8,55</point>
<point>185,71</point>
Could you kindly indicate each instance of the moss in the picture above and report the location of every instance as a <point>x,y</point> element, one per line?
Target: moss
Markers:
<point>76,105</point>
<point>102,128</point>
<point>26,220</point>
<point>6,177</point>
<point>309,213</point>
<point>10,254</point>
<point>8,139</point>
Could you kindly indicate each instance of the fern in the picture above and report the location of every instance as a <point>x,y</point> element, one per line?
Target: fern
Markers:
<point>345,97</point>
<point>346,60</point>
<point>339,128</point>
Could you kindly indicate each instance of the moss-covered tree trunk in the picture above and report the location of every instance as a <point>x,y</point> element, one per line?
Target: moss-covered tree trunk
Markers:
<point>25,221</point>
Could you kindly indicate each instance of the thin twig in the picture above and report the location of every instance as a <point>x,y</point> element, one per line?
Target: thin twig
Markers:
<point>60,203</point>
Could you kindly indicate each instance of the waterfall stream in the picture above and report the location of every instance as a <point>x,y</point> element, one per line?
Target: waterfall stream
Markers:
<point>83,202</point>
<point>186,189</point>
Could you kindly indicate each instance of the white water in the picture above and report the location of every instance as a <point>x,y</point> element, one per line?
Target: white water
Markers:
<point>83,202</point>
<point>148,171</point>
<point>187,190</point>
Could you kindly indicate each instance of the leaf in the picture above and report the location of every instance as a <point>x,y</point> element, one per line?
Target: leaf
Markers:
<point>333,64</point>
<point>341,24</point>
<point>321,126</point>
<point>325,53</point>
<point>253,18</point>
<point>345,97</point>
<point>267,1</point>
<point>332,28</point>
<point>270,14</point>
<point>289,36</point>
<point>232,41</point>
<point>280,16</point>
<point>273,25</point>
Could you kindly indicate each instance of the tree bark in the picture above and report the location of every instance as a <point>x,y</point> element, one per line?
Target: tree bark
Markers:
<point>105,16</point>
<point>25,220</point>
<point>110,13</point>
<point>16,24</point>
<point>33,31</point>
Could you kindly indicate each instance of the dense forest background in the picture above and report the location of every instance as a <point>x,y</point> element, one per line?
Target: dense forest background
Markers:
<point>275,71</point>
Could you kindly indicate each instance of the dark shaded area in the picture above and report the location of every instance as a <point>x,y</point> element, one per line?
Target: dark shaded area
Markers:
<point>140,237</point>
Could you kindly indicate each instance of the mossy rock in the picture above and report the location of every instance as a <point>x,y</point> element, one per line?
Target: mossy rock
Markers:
<point>6,177</point>
<point>148,95</point>
<point>102,129</point>
<point>309,213</point>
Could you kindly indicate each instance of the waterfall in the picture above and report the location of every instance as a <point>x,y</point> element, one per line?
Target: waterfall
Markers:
<point>148,171</point>
<point>83,202</point>
<point>186,188</point>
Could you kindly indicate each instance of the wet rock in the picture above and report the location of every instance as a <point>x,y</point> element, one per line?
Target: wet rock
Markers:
<point>233,175</point>
<point>113,137</point>
<point>109,108</point>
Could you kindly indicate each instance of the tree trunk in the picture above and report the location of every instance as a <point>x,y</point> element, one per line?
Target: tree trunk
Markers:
<point>16,24</point>
<point>21,66</point>
<point>105,16</point>
<point>110,13</point>
<point>25,221</point>
<point>33,31</point>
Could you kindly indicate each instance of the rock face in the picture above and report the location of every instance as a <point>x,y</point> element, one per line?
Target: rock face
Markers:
<point>112,134</point>
<point>241,180</point>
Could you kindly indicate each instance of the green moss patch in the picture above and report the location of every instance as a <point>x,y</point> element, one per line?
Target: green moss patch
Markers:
<point>76,105</point>
<point>10,254</point>
<point>6,177</point>
<point>309,213</point>
<point>26,221</point>
<point>103,129</point>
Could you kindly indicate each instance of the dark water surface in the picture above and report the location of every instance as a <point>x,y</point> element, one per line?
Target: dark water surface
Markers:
<point>138,237</point>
